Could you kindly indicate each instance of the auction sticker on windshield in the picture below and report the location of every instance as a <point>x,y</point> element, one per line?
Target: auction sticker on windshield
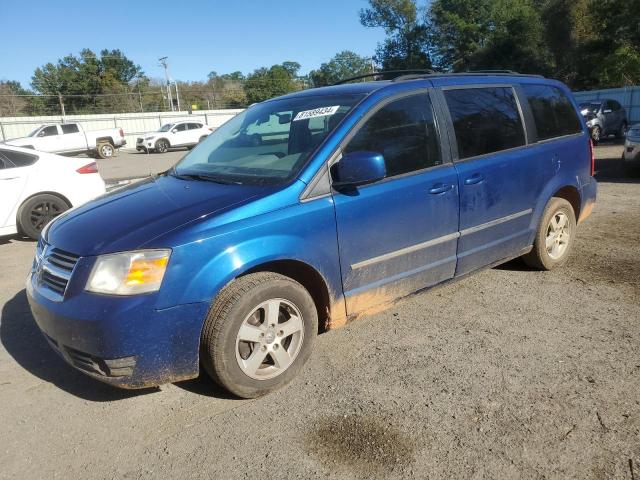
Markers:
<point>316,112</point>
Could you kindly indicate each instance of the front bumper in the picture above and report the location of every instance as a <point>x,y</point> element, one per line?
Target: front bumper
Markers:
<point>123,341</point>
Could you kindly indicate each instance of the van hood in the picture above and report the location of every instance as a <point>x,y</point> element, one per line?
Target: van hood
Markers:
<point>129,218</point>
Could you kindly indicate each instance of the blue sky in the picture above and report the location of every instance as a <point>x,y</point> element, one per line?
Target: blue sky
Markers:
<point>198,36</point>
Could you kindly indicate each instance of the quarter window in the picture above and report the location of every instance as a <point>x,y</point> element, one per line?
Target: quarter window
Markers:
<point>404,132</point>
<point>17,159</point>
<point>553,113</point>
<point>485,120</point>
<point>69,128</point>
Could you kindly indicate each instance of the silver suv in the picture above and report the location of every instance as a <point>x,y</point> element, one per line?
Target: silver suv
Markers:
<point>604,117</point>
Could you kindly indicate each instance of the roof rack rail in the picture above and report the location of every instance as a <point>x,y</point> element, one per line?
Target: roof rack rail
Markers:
<point>469,73</point>
<point>385,72</point>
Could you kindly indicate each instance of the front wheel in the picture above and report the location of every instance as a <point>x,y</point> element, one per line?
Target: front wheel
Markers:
<point>596,134</point>
<point>37,211</point>
<point>162,146</point>
<point>258,334</point>
<point>554,237</point>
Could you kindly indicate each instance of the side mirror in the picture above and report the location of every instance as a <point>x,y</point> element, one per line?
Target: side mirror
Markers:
<point>175,130</point>
<point>41,133</point>
<point>358,168</point>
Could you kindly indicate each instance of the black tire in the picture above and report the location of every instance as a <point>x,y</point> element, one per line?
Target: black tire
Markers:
<point>105,150</point>
<point>236,301</point>
<point>596,134</point>
<point>540,258</point>
<point>623,130</point>
<point>161,146</point>
<point>37,211</point>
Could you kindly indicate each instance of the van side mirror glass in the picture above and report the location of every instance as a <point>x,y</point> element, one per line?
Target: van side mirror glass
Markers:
<point>358,168</point>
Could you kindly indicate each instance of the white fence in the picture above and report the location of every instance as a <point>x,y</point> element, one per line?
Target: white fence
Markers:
<point>628,97</point>
<point>133,124</point>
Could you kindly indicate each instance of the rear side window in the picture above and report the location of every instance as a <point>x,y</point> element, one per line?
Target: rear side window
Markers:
<point>69,128</point>
<point>404,132</point>
<point>17,159</point>
<point>553,113</point>
<point>485,120</point>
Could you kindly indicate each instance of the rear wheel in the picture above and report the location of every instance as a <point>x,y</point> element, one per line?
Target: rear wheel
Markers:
<point>162,146</point>
<point>554,237</point>
<point>623,130</point>
<point>37,211</point>
<point>105,150</point>
<point>596,134</point>
<point>258,334</point>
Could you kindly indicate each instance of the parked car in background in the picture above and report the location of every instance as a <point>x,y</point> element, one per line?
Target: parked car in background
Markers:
<point>35,187</point>
<point>305,212</point>
<point>631,152</point>
<point>171,135</point>
<point>604,117</point>
<point>70,138</point>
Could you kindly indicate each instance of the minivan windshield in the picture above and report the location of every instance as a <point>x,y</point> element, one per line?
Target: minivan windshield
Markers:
<point>166,128</point>
<point>267,143</point>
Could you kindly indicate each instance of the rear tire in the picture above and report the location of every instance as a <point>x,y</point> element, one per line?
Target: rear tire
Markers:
<point>37,211</point>
<point>105,150</point>
<point>623,130</point>
<point>161,146</point>
<point>596,134</point>
<point>555,236</point>
<point>248,350</point>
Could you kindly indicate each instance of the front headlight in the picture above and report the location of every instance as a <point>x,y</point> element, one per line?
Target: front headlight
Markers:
<point>129,273</point>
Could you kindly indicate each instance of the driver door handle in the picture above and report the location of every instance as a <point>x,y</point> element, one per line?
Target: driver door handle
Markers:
<point>440,188</point>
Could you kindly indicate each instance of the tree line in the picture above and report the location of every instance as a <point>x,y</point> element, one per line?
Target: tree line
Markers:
<point>585,43</point>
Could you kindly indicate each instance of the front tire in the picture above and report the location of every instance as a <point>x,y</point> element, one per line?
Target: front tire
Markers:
<point>258,334</point>
<point>37,211</point>
<point>161,146</point>
<point>555,236</point>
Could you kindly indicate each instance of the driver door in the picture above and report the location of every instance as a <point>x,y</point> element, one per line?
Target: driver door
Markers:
<point>399,234</point>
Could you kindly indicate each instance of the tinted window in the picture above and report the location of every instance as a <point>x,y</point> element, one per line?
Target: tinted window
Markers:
<point>404,133</point>
<point>2,165</point>
<point>553,113</point>
<point>615,106</point>
<point>485,120</point>
<point>48,131</point>
<point>181,127</point>
<point>18,159</point>
<point>70,128</point>
<point>195,126</point>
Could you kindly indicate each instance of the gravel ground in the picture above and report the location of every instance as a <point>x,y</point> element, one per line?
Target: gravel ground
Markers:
<point>510,373</point>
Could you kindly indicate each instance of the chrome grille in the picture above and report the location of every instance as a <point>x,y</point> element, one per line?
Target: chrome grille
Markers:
<point>53,269</point>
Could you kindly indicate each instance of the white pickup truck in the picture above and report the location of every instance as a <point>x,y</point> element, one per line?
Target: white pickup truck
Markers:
<point>70,138</point>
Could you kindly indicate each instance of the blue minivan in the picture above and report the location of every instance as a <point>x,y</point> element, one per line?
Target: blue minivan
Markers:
<point>307,211</point>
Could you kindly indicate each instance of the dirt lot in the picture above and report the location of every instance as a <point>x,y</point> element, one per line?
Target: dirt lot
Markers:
<point>510,373</point>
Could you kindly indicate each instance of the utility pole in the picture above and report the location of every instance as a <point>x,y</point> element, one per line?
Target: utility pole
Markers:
<point>61,105</point>
<point>163,62</point>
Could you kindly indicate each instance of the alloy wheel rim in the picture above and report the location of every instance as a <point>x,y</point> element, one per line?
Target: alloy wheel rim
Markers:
<point>558,235</point>
<point>107,151</point>
<point>162,146</point>
<point>596,134</point>
<point>42,213</point>
<point>269,339</point>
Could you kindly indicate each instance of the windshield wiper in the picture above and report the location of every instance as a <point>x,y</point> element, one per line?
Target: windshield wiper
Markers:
<point>202,177</point>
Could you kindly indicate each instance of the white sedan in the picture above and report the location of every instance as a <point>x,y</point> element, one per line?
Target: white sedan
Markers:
<point>36,186</point>
<point>178,134</point>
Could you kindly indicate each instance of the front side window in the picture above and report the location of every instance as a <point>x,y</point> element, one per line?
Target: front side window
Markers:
<point>69,128</point>
<point>553,113</point>
<point>48,131</point>
<point>181,127</point>
<point>404,132</point>
<point>269,142</point>
<point>485,120</point>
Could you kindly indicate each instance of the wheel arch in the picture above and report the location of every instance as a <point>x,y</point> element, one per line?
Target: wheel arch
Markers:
<point>162,138</point>
<point>308,277</point>
<point>102,139</point>
<point>33,195</point>
<point>571,195</point>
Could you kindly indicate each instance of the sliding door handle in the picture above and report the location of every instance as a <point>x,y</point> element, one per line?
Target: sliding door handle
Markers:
<point>474,179</point>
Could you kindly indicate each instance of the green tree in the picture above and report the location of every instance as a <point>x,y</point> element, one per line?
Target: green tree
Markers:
<point>407,42</point>
<point>265,83</point>
<point>343,65</point>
